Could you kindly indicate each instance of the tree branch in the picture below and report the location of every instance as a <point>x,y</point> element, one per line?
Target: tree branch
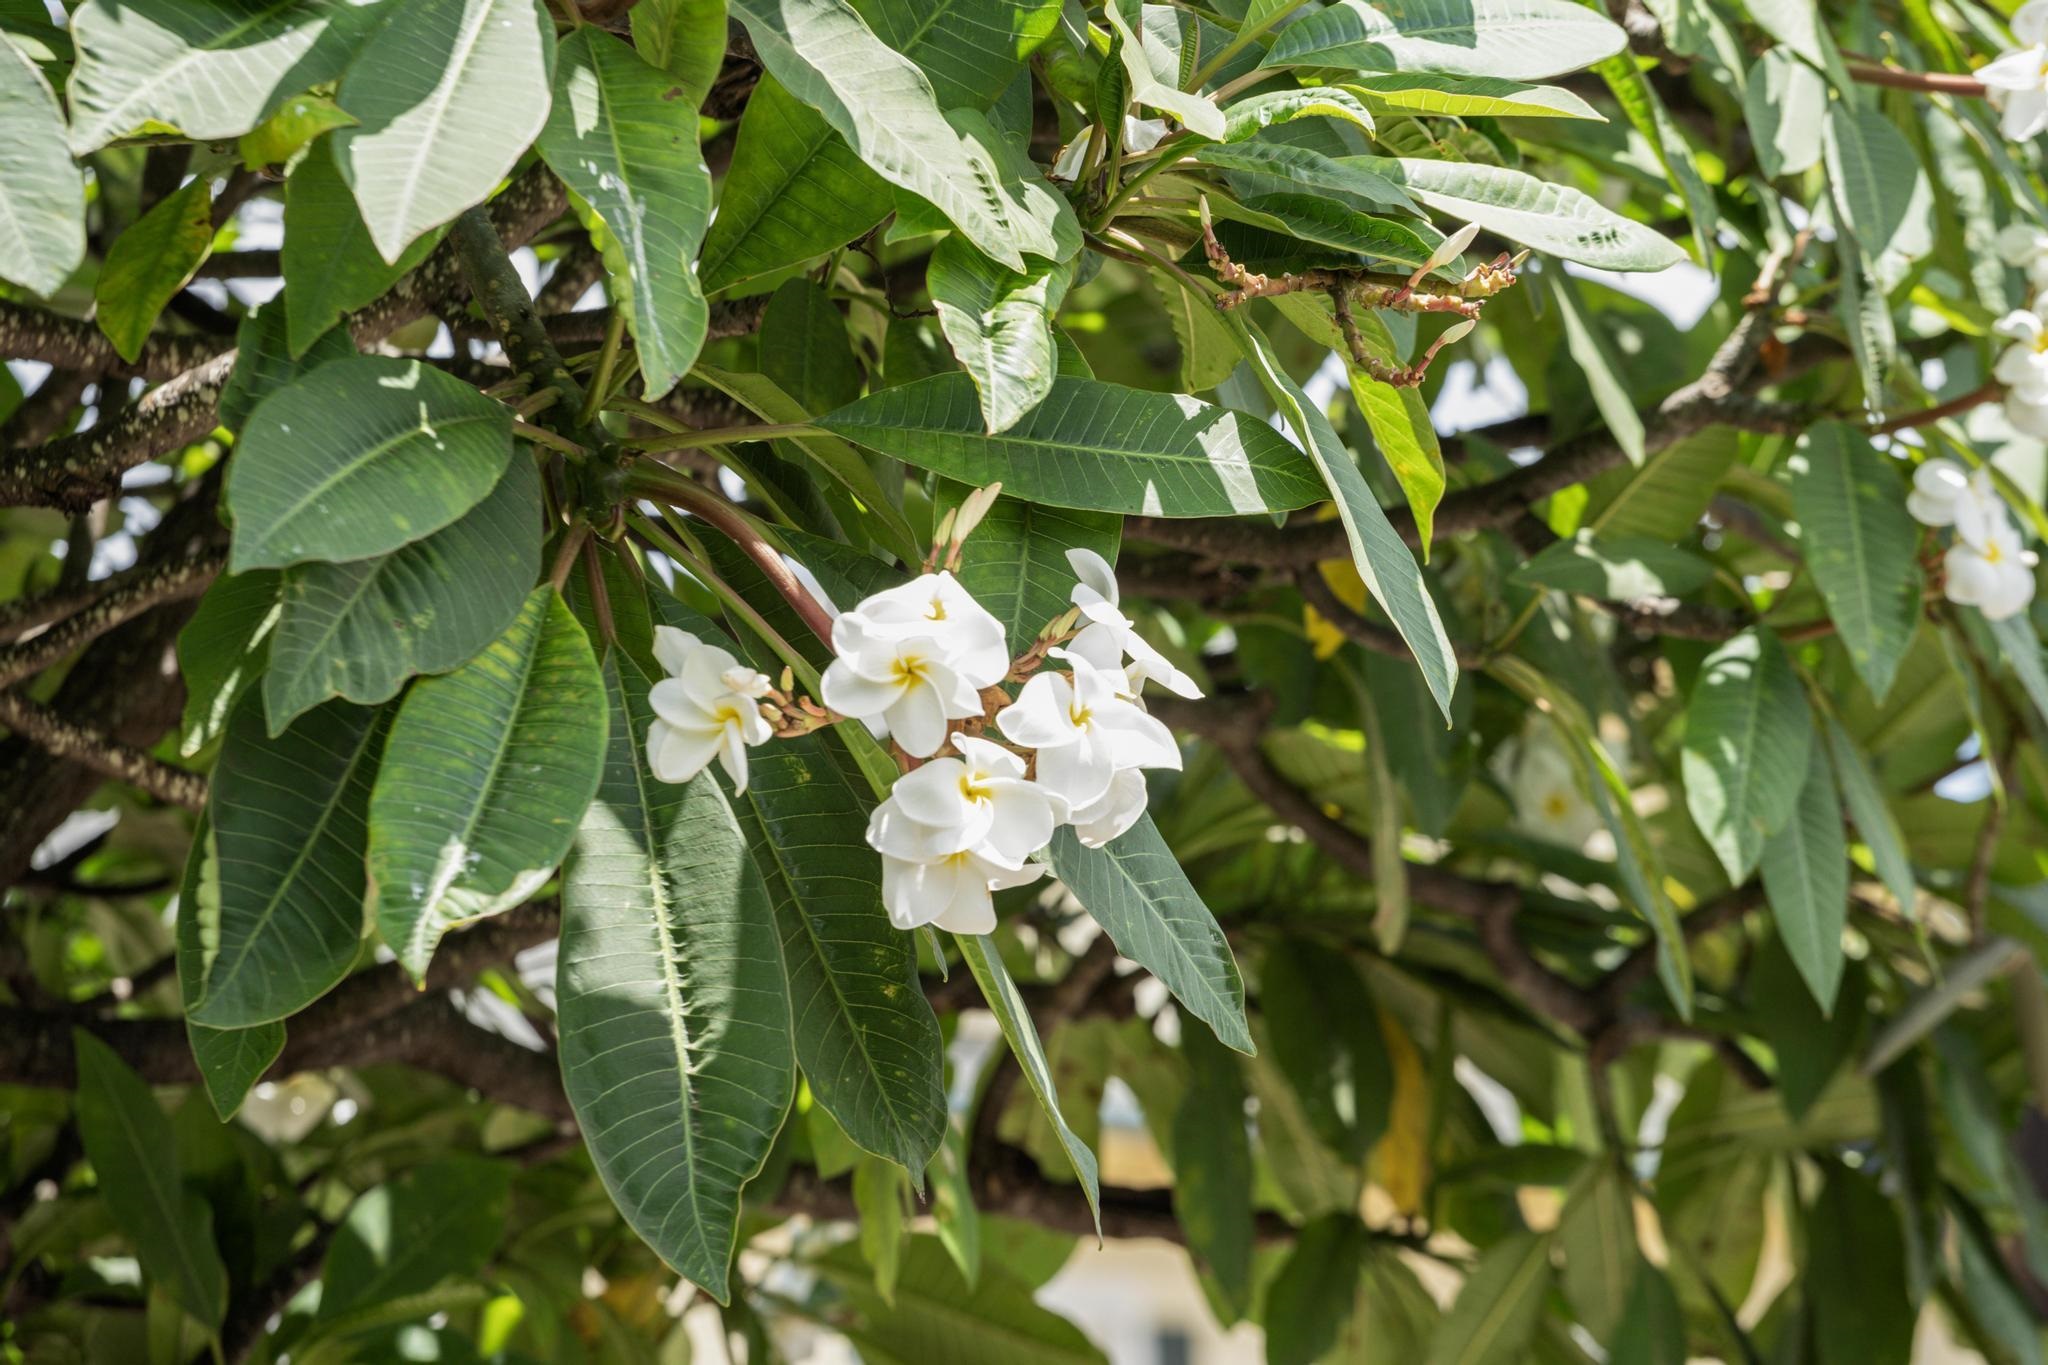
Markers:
<point>84,616</point>
<point>104,755</point>
<point>29,333</point>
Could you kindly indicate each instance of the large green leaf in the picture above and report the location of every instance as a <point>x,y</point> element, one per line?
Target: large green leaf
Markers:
<point>230,1060</point>
<point>685,38</point>
<point>937,1317</point>
<point>1468,97</point>
<point>865,1037</point>
<point>1191,109</point>
<point>1876,176</point>
<point>1522,40</point>
<point>1644,108</point>
<point>1314,1290</point>
<point>1616,568</point>
<point>1553,218</point>
<point>620,139</point>
<point>490,770</point>
<point>222,650</point>
<point>1859,542</point>
<point>360,457</point>
<point>360,629</point>
<point>265,361</point>
<point>1597,1234</point>
<point>1248,117</point>
<point>1015,563</point>
<point>210,69</point>
<point>42,194</point>
<point>999,323</point>
<point>441,1218</point>
<point>1747,730</point>
<point>289,832</point>
<point>1399,420</point>
<point>1212,1166</point>
<point>1279,163</point>
<point>1873,816</point>
<point>1785,103</point>
<point>796,189</point>
<point>150,262</point>
<point>1662,498</point>
<point>884,106</point>
<point>446,97</point>
<point>1089,445</point>
<point>673,1011</point>
<point>1382,560</point>
<point>1855,1274</point>
<point>1144,902</point>
<point>1498,1305</point>
<point>1595,358</point>
<point>1319,219</point>
<point>330,264</point>
<point>1323,1029</point>
<point>134,1155</point>
<point>1013,1016</point>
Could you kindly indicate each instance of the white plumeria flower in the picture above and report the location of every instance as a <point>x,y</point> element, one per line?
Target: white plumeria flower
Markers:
<point>1115,811</point>
<point>2025,245</point>
<point>1140,135</point>
<point>2018,81</point>
<point>917,657</point>
<point>1084,731</point>
<point>1946,494</point>
<point>2024,364</point>
<point>1549,803</point>
<point>1110,635</point>
<point>1994,575</point>
<point>951,892</point>
<point>980,801</point>
<point>708,708</point>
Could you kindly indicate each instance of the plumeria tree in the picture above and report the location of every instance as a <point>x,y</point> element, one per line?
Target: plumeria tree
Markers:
<point>644,647</point>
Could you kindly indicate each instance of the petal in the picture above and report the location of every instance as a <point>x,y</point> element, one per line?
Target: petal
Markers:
<point>1041,717</point>
<point>2017,70</point>
<point>1970,579</point>
<point>1116,810</point>
<point>932,794</point>
<point>1021,821</point>
<point>908,891</point>
<point>847,691</point>
<point>917,718</point>
<point>1147,662</point>
<point>732,756</point>
<point>960,699</point>
<point>1135,739</point>
<point>1101,645</point>
<point>1939,478</point>
<point>894,834</point>
<point>675,755</point>
<point>988,759</point>
<point>1095,575</point>
<point>1076,773</point>
<point>703,675</point>
<point>2030,22</point>
<point>1003,878</point>
<point>671,700</point>
<point>672,646</point>
<point>970,909</point>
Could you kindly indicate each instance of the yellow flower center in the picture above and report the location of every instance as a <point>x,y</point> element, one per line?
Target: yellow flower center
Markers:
<point>974,786</point>
<point>907,671</point>
<point>1556,806</point>
<point>935,610</point>
<point>1992,554</point>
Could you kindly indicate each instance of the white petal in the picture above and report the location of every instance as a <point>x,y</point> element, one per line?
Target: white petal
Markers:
<point>1094,574</point>
<point>672,646</point>
<point>2017,70</point>
<point>845,690</point>
<point>732,756</point>
<point>1021,821</point>
<point>703,675</point>
<point>916,892</point>
<point>1077,773</point>
<point>933,794</point>
<point>986,758</point>
<point>894,834</point>
<point>1114,812</point>
<point>1135,739</point>
<point>917,718</point>
<point>675,755</point>
<point>1101,645</point>
<point>1147,662</point>
<point>671,700</point>
<point>2030,22</point>
<point>1969,577</point>
<point>1041,718</point>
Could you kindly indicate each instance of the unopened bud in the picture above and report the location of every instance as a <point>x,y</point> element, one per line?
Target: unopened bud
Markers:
<point>943,532</point>
<point>1451,248</point>
<point>788,680</point>
<point>972,509</point>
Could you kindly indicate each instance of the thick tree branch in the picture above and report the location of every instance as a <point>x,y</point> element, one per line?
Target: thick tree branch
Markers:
<point>30,333</point>
<point>66,739</point>
<point>87,614</point>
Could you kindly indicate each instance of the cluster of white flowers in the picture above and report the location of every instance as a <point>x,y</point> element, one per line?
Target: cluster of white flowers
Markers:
<point>2017,82</point>
<point>1987,567</point>
<point>925,662</point>
<point>1543,783</point>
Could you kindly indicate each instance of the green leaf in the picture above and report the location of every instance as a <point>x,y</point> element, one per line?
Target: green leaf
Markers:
<point>1855,1275</point>
<point>1859,542</point>
<point>360,629</point>
<point>1496,1309</point>
<point>1523,40</point>
<point>265,362</point>
<point>938,1318</point>
<point>231,1060</point>
<point>1645,109</point>
<point>1746,735</point>
<point>1662,499</point>
<point>1809,1038</point>
<point>439,1219</point>
<point>447,95</point>
<point>883,105</point>
<point>1596,360</point>
<point>1144,902</point>
<point>1785,104</point>
<point>1316,1287</point>
<point>490,770</point>
<point>804,350</point>
<point>360,457</point>
<point>1873,816</point>
<point>1964,975</point>
<point>1314,218</point>
<point>1652,1330</point>
<point>2020,647</point>
<point>1616,568</point>
<point>1013,1016</point>
<point>1015,563</point>
<point>1467,97</point>
<point>1212,1167</point>
<point>685,38</point>
<point>1597,1234</point>
<point>999,324</point>
<point>1552,218</point>
<point>1875,175</point>
<point>222,650</point>
<point>289,830</point>
<point>622,139</point>
<point>1208,352</point>
<point>150,262</point>
<point>865,1037</point>
<point>133,1151</point>
<point>42,194</point>
<point>1089,445</point>
<point>331,266</point>
<point>878,1198</point>
<point>290,131</point>
<point>1806,879</point>
<point>1310,170</point>
<point>211,69</point>
<point>1389,570</point>
<point>1323,1030</point>
<point>1247,117</point>
<point>1191,109</point>
<point>673,1011</point>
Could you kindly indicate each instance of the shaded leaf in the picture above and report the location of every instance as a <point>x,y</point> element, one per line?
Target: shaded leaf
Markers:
<point>1746,735</point>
